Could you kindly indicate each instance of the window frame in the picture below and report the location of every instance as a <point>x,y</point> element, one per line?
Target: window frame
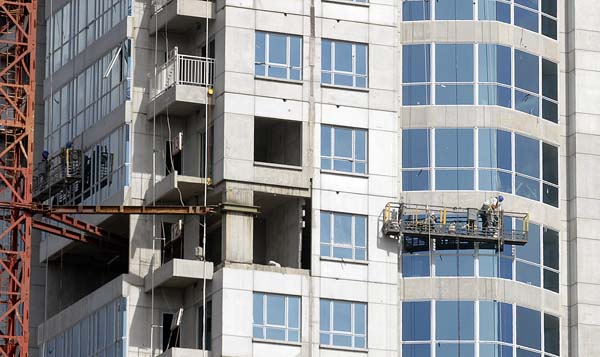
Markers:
<point>332,71</point>
<point>431,10</point>
<point>330,332</point>
<point>267,65</point>
<point>534,107</point>
<point>515,175</point>
<point>482,256</point>
<point>501,315</point>
<point>352,160</point>
<point>264,325</point>
<point>331,244</point>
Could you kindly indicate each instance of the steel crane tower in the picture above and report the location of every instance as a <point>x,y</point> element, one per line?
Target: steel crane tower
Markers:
<point>17,94</point>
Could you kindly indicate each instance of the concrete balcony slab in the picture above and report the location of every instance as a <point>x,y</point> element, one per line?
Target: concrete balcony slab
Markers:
<point>179,100</point>
<point>170,187</point>
<point>180,15</point>
<point>183,352</point>
<point>179,273</point>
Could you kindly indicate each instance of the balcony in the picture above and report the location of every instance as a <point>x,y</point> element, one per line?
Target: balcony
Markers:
<point>175,187</point>
<point>179,273</point>
<point>183,352</point>
<point>180,15</point>
<point>181,85</point>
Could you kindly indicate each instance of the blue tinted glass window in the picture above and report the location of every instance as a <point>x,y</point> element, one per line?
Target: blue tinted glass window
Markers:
<point>449,94</point>
<point>550,163</point>
<point>454,10</point>
<point>343,149</point>
<point>454,63</point>
<point>531,250</point>
<point>527,353</point>
<point>416,63</point>
<point>528,274</point>
<point>415,265</point>
<point>549,27</point>
<point>343,56</point>
<point>326,55</point>
<point>551,334</point>
<point>551,280</point>
<point>528,328</point>
<point>415,148</point>
<point>454,179</point>
<point>550,110</point>
<point>526,71</point>
<point>491,350</point>
<point>278,55</point>
<point>527,188</point>
<point>347,240</point>
<point>493,180</point>
<point>416,94</point>
<point>532,4</point>
<point>277,48</point>
<point>454,265</point>
<point>526,19</point>
<point>416,321</point>
<point>527,156</point>
<point>494,64</point>
<point>495,95</point>
<point>346,324</point>
<point>495,321</point>
<point>454,349</point>
<point>495,149</point>
<point>455,320</point>
<point>344,63</point>
<point>494,10</point>
<point>415,10</point>
<point>549,7</point>
<point>527,103</point>
<point>551,248</point>
<point>415,180</point>
<point>276,317</point>
<point>417,350</point>
<point>454,147</point>
<point>549,79</point>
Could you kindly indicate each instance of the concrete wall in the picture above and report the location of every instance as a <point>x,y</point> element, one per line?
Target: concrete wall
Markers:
<point>582,36</point>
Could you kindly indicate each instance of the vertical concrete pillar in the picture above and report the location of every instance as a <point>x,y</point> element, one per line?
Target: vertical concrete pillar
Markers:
<point>238,225</point>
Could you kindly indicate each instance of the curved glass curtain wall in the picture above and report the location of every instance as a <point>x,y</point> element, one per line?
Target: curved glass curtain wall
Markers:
<point>482,74</point>
<point>479,159</point>
<point>539,16</point>
<point>495,329</point>
<point>536,263</point>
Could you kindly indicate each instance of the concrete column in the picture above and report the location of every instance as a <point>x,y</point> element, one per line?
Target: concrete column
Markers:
<point>238,225</point>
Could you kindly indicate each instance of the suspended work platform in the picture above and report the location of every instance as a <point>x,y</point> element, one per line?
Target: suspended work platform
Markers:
<point>468,224</point>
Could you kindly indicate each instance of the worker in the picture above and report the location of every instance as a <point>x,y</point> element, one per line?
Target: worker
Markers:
<point>490,212</point>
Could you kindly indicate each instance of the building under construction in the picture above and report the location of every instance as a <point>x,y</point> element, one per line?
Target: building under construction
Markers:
<point>299,178</point>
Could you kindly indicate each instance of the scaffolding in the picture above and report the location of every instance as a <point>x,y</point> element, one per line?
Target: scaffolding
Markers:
<point>465,224</point>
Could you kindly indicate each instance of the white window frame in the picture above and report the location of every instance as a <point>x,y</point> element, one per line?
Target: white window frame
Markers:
<point>331,244</point>
<point>264,325</point>
<point>353,160</point>
<point>287,66</point>
<point>332,71</point>
<point>353,335</point>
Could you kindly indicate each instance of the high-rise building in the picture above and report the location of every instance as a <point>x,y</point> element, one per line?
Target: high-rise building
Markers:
<point>300,120</point>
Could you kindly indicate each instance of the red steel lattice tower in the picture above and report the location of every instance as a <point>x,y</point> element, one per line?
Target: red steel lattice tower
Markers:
<point>17,92</point>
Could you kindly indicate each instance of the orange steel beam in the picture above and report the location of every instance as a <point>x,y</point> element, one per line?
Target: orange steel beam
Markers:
<point>117,210</point>
<point>102,241</point>
<point>18,24</point>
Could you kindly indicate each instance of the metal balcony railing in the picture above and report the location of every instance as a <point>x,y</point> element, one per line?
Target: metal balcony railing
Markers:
<point>182,70</point>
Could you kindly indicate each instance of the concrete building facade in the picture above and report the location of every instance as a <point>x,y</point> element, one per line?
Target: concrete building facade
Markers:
<point>299,120</point>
